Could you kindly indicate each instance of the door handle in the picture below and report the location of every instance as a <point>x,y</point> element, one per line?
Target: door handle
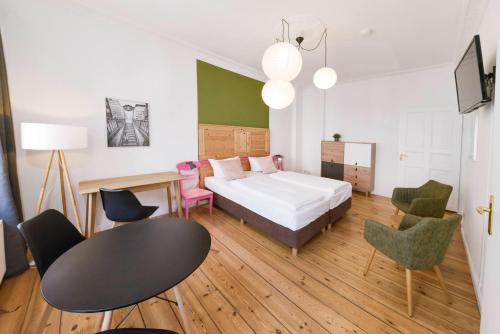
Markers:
<point>402,156</point>
<point>490,210</point>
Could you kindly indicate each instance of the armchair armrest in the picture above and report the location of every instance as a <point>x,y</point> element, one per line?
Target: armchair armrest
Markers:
<point>384,238</point>
<point>427,207</point>
<point>403,194</point>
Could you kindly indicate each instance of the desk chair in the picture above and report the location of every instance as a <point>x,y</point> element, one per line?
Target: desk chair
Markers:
<point>190,190</point>
<point>121,206</point>
<point>48,236</point>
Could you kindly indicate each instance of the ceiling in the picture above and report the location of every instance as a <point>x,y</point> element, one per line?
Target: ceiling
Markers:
<point>406,34</point>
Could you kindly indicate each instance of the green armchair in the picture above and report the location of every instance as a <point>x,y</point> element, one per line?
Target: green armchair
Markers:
<point>429,200</point>
<point>418,244</point>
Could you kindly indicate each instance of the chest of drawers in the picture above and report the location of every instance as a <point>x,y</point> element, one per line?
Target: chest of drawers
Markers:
<point>351,162</point>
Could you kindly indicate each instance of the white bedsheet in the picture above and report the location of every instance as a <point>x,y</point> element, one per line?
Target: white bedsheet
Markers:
<point>270,207</point>
<point>337,190</point>
<point>293,196</point>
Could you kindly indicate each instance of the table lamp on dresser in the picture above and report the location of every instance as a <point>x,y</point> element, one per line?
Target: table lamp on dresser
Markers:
<point>55,138</point>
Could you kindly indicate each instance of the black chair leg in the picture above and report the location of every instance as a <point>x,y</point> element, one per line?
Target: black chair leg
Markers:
<point>125,317</point>
<point>167,300</point>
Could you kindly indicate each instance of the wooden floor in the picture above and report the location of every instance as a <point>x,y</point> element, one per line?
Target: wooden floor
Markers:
<point>251,284</point>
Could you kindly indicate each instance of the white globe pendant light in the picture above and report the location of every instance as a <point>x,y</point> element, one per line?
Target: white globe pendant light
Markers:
<point>278,94</point>
<point>282,61</point>
<point>325,78</point>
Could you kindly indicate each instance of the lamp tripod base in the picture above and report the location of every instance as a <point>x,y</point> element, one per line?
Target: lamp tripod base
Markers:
<point>63,176</point>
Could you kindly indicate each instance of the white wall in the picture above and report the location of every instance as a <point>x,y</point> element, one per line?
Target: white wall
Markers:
<point>64,60</point>
<point>475,181</point>
<point>280,123</point>
<point>368,111</point>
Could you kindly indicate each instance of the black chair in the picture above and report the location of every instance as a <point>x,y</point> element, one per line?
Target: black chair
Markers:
<point>48,236</point>
<point>122,206</point>
<point>137,331</point>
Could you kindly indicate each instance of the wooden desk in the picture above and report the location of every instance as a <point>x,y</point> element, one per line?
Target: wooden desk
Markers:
<point>135,183</point>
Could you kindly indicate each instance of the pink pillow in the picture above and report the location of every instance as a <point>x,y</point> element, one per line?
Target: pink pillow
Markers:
<point>231,169</point>
<point>267,166</point>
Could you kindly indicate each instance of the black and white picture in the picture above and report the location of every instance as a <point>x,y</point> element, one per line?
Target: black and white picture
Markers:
<point>127,123</point>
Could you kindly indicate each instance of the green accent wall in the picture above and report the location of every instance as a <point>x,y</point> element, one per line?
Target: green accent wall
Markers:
<point>229,98</point>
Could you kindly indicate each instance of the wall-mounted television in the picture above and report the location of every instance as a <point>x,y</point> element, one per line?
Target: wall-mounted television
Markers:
<point>470,79</point>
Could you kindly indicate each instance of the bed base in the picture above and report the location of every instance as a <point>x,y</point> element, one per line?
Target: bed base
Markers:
<point>293,239</point>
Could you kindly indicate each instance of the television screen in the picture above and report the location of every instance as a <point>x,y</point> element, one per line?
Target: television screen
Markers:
<point>469,79</point>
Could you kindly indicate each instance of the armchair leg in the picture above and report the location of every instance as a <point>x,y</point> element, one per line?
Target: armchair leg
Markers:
<point>370,259</point>
<point>409,292</point>
<point>441,282</point>
<point>295,251</point>
<point>396,212</point>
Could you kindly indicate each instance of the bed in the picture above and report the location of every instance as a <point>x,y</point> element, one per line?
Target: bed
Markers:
<point>292,226</point>
<point>291,221</point>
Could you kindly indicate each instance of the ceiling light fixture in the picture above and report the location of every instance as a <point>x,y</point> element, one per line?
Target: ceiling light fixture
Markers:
<point>282,63</point>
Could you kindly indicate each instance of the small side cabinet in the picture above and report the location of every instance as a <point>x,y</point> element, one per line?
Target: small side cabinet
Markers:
<point>349,161</point>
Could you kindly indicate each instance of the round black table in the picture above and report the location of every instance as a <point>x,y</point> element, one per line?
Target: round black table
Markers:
<point>126,265</point>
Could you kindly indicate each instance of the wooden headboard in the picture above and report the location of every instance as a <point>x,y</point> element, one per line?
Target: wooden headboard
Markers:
<point>225,141</point>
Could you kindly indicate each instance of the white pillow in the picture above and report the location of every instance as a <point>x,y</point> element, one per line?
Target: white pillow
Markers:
<point>262,164</point>
<point>254,164</point>
<point>216,167</point>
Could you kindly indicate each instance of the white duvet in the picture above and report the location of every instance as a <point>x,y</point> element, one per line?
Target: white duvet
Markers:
<point>293,196</point>
<point>311,181</point>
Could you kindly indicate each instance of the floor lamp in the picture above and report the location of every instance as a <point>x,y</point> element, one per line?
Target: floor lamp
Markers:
<point>56,139</point>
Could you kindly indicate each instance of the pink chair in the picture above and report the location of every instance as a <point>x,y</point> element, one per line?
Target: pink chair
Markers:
<point>190,190</point>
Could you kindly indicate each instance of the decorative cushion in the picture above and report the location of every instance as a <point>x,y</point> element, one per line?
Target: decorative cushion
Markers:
<point>216,165</point>
<point>262,164</point>
<point>231,169</point>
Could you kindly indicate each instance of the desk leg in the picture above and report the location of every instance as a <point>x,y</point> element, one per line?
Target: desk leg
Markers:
<point>182,310</point>
<point>178,197</point>
<point>169,198</point>
<point>92,201</point>
<point>106,322</point>
<point>86,225</point>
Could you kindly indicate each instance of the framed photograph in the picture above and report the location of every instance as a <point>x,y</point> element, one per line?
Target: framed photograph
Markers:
<point>127,123</point>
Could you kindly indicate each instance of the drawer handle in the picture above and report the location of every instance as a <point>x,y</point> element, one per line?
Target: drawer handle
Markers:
<point>356,163</point>
<point>355,183</point>
<point>356,176</point>
<point>356,168</point>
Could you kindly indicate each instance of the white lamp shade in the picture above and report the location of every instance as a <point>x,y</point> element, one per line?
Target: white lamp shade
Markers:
<point>40,136</point>
<point>282,61</point>
<point>278,94</point>
<point>325,78</point>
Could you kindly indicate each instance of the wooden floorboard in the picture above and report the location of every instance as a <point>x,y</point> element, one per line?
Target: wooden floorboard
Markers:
<point>251,284</point>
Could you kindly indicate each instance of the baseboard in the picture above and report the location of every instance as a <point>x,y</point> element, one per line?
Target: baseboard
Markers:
<point>474,275</point>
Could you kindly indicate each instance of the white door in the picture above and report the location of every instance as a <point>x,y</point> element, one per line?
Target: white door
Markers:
<point>490,304</point>
<point>429,148</point>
